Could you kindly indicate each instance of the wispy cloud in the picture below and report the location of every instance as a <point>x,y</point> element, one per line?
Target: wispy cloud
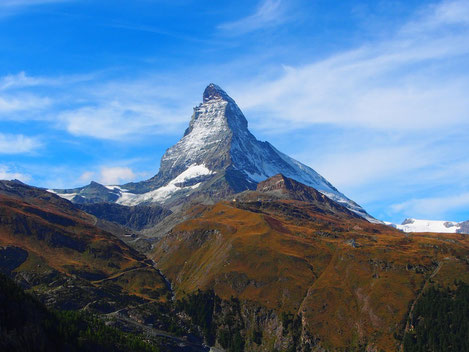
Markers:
<point>363,167</point>
<point>18,144</point>
<point>19,80</point>
<point>116,175</point>
<point>125,110</point>
<point>95,106</point>
<point>389,86</point>
<point>7,174</point>
<point>269,13</point>
<point>14,96</point>
<point>432,207</point>
<point>21,102</point>
<point>110,175</point>
<point>414,79</point>
<point>407,91</point>
<point>446,13</point>
<point>23,80</point>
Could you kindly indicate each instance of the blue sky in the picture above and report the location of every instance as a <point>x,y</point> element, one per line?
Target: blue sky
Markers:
<point>371,94</point>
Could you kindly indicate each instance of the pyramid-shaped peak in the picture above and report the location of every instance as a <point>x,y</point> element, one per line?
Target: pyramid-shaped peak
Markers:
<point>214,92</point>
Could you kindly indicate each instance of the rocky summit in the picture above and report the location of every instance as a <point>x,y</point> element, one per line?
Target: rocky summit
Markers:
<point>217,156</point>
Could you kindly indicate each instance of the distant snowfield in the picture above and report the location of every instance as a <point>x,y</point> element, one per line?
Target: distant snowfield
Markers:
<point>440,226</point>
<point>67,196</point>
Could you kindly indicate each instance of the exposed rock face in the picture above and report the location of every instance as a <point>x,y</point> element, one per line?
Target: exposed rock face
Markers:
<point>287,188</point>
<point>464,227</point>
<point>217,156</point>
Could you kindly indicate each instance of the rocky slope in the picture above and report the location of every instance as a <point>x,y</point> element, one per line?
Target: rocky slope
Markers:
<point>217,156</point>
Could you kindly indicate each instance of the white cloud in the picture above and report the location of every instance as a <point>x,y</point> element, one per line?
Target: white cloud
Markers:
<point>268,13</point>
<point>362,167</point>
<point>86,177</point>
<point>7,174</point>
<point>406,94</point>
<point>90,105</point>
<point>432,207</point>
<point>445,13</point>
<point>116,109</point>
<point>116,175</point>
<point>109,175</point>
<point>116,120</point>
<point>23,80</point>
<point>414,80</point>
<point>18,80</point>
<point>18,144</point>
<point>22,102</point>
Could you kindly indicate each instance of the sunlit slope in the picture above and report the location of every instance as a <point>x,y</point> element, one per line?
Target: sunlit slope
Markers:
<point>50,246</point>
<point>353,281</point>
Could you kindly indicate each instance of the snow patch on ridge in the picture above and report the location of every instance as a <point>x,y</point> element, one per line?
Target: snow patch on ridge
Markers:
<point>207,126</point>
<point>67,196</point>
<point>163,193</point>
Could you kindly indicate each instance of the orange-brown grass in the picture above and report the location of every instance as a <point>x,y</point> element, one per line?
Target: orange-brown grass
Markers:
<point>98,252</point>
<point>353,281</point>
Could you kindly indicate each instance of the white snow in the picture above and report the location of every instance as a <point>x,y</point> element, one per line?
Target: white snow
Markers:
<point>163,193</point>
<point>67,196</point>
<point>191,172</point>
<point>208,126</point>
<point>415,225</point>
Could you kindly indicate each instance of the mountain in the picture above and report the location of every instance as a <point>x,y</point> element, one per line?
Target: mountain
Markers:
<point>50,246</point>
<point>217,157</point>
<point>294,258</point>
<point>441,226</point>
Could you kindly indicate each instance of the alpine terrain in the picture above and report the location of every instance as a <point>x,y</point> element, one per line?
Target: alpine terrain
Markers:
<point>232,246</point>
<point>216,157</point>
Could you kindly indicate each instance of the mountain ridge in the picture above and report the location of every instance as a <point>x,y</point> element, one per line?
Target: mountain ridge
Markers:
<point>216,157</point>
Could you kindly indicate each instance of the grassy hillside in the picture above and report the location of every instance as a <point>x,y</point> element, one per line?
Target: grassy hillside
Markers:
<point>351,282</point>
<point>51,247</point>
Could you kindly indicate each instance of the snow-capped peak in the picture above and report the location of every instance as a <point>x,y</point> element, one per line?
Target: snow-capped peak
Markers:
<point>214,92</point>
<point>219,139</point>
